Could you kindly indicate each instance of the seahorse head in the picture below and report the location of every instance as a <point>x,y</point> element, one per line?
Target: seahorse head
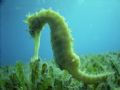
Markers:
<point>35,24</point>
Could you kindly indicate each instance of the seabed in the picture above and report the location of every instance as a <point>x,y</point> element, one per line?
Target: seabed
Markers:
<point>46,75</point>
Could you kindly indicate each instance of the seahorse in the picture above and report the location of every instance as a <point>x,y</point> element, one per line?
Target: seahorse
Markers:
<point>61,42</point>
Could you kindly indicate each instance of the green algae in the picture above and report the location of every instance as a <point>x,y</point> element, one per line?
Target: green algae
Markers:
<point>46,75</point>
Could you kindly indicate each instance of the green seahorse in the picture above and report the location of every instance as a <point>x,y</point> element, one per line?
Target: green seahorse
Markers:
<point>61,41</point>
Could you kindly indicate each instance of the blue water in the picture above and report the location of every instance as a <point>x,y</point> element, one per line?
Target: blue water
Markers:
<point>95,26</point>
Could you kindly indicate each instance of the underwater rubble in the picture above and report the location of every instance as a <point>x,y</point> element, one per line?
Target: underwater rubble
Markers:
<point>46,75</point>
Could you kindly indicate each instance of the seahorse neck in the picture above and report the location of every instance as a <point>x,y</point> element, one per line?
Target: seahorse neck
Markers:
<point>61,39</point>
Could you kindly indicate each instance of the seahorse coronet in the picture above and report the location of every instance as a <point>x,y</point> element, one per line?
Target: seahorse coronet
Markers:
<point>61,42</point>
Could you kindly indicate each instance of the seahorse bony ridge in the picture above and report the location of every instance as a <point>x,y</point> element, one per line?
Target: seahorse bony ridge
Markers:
<point>61,41</point>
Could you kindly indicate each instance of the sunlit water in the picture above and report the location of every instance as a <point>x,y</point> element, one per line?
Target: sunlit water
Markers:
<point>95,26</point>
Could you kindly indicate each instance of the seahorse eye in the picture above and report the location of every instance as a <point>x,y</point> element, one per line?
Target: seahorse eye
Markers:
<point>32,32</point>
